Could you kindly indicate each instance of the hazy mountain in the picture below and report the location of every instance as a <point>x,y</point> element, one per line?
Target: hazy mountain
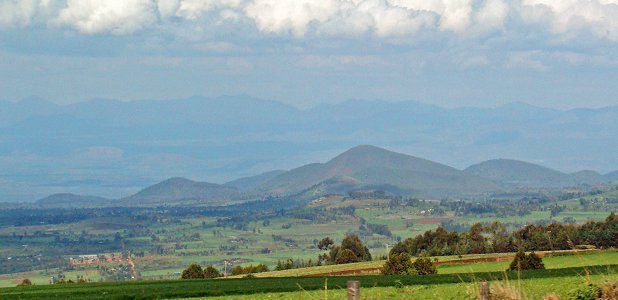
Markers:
<point>123,145</point>
<point>612,175</point>
<point>252,182</point>
<point>67,200</point>
<point>588,177</point>
<point>524,174</point>
<point>182,191</point>
<point>373,166</point>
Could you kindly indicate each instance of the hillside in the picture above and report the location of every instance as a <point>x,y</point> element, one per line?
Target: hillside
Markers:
<point>367,166</point>
<point>182,191</point>
<point>612,176</point>
<point>66,200</point>
<point>252,182</point>
<point>524,174</point>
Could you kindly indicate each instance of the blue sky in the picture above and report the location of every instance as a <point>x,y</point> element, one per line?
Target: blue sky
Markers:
<point>553,53</point>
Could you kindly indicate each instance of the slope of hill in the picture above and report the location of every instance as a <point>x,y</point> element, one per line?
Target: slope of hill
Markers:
<point>68,200</point>
<point>252,182</point>
<point>588,177</point>
<point>182,191</point>
<point>524,174</point>
<point>373,166</point>
<point>612,176</point>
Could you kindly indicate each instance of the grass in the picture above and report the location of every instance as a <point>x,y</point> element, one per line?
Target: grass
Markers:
<point>225,287</point>
<point>535,288</point>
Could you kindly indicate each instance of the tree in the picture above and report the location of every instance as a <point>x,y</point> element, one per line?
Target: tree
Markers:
<point>194,271</point>
<point>346,256</point>
<point>353,243</point>
<point>326,243</point>
<point>523,261</point>
<point>211,272</point>
<point>399,264</point>
<point>25,282</point>
<point>424,266</point>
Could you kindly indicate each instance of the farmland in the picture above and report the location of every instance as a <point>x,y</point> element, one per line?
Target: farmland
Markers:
<point>246,286</point>
<point>163,241</point>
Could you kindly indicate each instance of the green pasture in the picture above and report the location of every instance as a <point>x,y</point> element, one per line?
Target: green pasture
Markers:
<point>245,286</point>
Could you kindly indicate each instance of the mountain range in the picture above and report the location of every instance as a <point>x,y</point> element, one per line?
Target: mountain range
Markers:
<point>362,168</point>
<point>114,148</point>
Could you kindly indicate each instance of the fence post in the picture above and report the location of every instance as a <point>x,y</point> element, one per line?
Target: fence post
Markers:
<point>484,291</point>
<point>353,290</point>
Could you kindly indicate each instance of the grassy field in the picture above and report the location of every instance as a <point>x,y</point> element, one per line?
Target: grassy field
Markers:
<point>252,286</point>
<point>535,288</point>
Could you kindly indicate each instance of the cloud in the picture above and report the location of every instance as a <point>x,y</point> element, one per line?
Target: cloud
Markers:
<point>600,17</point>
<point>116,17</point>
<point>320,18</point>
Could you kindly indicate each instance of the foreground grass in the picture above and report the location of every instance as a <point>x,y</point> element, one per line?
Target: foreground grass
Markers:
<point>228,287</point>
<point>535,288</point>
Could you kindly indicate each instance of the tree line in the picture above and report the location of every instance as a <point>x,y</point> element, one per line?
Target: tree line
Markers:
<point>495,238</point>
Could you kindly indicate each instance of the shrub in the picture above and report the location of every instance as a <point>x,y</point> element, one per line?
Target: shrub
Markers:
<point>424,266</point>
<point>523,261</point>
<point>346,256</point>
<point>194,271</point>
<point>588,292</point>
<point>399,264</point>
<point>25,282</point>
<point>211,272</point>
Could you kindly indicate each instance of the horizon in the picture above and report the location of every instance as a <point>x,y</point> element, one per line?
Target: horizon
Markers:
<point>314,105</point>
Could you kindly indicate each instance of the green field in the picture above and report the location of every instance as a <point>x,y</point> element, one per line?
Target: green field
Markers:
<point>245,286</point>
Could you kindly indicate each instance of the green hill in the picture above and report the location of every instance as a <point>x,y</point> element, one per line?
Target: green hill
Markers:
<point>524,174</point>
<point>182,191</point>
<point>66,200</point>
<point>370,166</point>
<point>252,182</point>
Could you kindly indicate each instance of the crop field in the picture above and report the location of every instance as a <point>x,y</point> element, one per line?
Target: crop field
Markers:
<point>252,286</point>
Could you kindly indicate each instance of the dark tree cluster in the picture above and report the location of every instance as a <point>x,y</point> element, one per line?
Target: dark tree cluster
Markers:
<point>195,271</point>
<point>495,238</point>
<point>239,270</point>
<point>351,250</point>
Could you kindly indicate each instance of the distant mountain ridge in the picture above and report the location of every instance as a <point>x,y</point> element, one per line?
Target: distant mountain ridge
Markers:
<point>180,190</point>
<point>360,168</point>
<point>68,200</point>
<point>125,144</point>
<point>524,174</point>
<point>373,166</point>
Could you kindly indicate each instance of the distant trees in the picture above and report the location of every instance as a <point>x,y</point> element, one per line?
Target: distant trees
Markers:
<point>195,271</point>
<point>351,250</point>
<point>523,261</point>
<point>25,282</point>
<point>495,238</point>
<point>239,270</point>
<point>326,243</point>
<point>212,272</point>
<point>401,264</point>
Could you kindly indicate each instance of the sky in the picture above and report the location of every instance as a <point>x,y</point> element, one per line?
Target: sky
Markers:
<point>452,53</point>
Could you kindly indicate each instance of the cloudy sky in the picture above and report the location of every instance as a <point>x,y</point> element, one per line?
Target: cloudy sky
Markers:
<point>553,53</point>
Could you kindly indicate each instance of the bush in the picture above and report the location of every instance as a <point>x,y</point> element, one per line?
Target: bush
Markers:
<point>25,282</point>
<point>424,266</point>
<point>211,272</point>
<point>588,292</point>
<point>346,256</point>
<point>194,271</point>
<point>523,261</point>
<point>399,264</point>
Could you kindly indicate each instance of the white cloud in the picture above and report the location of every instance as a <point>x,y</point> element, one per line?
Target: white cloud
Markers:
<point>321,18</point>
<point>600,17</point>
<point>116,17</point>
